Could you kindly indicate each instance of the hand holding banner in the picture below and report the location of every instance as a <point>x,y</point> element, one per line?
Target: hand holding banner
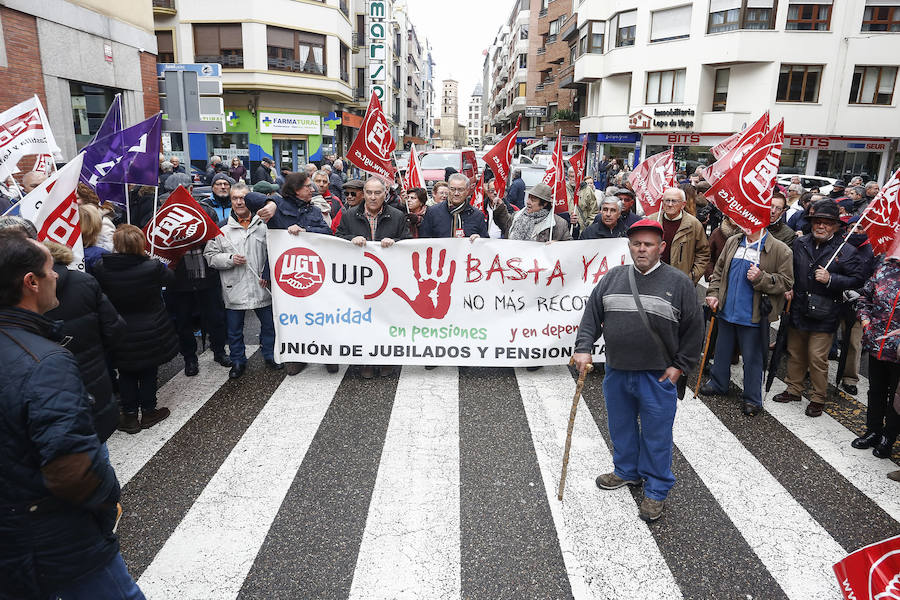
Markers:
<point>373,146</point>
<point>180,225</point>
<point>499,159</point>
<point>651,178</point>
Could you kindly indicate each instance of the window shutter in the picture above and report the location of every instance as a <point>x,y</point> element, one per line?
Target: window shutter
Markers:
<point>280,37</point>
<point>230,36</point>
<point>628,19</point>
<point>672,22</point>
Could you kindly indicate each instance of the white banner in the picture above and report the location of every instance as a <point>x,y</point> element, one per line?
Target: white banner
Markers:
<point>433,302</point>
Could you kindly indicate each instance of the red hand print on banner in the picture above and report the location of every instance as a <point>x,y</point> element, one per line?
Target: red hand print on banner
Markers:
<point>433,299</point>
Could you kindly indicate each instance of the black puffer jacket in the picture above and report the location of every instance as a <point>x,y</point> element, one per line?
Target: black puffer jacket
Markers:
<point>391,224</point>
<point>134,286</point>
<point>49,458</point>
<point>94,328</point>
<point>438,222</point>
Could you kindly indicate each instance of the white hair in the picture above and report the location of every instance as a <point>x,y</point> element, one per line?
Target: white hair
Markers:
<point>458,177</point>
<point>680,193</point>
<point>611,200</point>
<point>795,187</point>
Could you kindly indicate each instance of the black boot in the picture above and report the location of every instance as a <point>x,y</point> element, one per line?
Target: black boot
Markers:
<point>884,447</point>
<point>867,440</point>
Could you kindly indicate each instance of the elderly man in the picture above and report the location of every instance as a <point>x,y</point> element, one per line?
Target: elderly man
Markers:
<point>687,248</point>
<point>609,224</point>
<point>816,306</point>
<point>177,167</point>
<point>859,199</point>
<point>647,351</point>
<point>837,189</point>
<point>777,225</point>
<point>310,169</point>
<point>455,217</point>
<point>241,257</point>
<point>856,181</point>
<point>214,166</point>
<point>794,191</point>
<point>587,209</point>
<point>353,196</point>
<point>336,180</point>
<point>629,214</point>
<point>373,220</point>
<point>263,171</point>
<point>872,189</point>
<point>32,179</point>
<point>748,267</point>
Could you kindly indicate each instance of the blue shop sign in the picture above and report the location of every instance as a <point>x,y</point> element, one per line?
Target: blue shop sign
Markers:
<point>618,138</point>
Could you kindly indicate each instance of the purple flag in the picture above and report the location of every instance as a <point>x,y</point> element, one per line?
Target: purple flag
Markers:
<point>127,156</point>
<point>112,122</point>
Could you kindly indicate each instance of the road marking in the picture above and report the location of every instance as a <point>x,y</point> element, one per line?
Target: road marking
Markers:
<point>608,551</point>
<point>183,396</point>
<point>214,546</point>
<point>411,543</point>
<point>795,549</point>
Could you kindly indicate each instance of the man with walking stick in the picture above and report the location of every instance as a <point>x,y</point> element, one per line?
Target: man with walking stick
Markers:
<point>631,304</point>
<point>749,269</point>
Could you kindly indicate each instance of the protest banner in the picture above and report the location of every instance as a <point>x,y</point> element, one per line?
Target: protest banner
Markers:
<point>374,145</point>
<point>180,225</point>
<point>499,158</point>
<point>872,572</point>
<point>24,129</point>
<point>436,301</point>
<point>555,177</point>
<point>651,178</point>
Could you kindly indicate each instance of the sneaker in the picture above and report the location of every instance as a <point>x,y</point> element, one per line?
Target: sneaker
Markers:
<point>814,409</point>
<point>850,388</point>
<point>149,418</point>
<point>611,481</point>
<point>786,397</point>
<point>651,509</point>
<point>128,422</point>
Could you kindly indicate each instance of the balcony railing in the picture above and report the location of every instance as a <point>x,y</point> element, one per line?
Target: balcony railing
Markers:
<point>542,13</point>
<point>229,61</point>
<point>359,93</point>
<point>295,66</point>
<point>164,5</point>
<point>357,40</point>
<point>542,50</point>
<point>551,38</point>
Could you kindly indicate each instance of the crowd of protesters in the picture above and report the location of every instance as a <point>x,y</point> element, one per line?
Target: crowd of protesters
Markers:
<point>128,314</point>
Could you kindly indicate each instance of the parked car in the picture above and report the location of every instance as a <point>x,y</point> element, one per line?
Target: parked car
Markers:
<point>532,175</point>
<point>434,162</point>
<point>402,160</point>
<point>824,184</point>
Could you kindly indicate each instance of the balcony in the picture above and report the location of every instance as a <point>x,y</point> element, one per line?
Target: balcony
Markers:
<point>293,66</point>
<point>567,79</point>
<point>542,13</point>
<point>228,61</point>
<point>539,87</point>
<point>357,41</point>
<point>542,50</point>
<point>551,38</point>
<point>568,128</point>
<point>164,7</point>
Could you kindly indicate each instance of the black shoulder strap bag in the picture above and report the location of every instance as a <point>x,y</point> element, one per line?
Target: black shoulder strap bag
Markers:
<point>681,385</point>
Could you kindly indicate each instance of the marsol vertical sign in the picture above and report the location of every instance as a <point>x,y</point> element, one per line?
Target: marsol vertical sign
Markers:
<point>376,50</point>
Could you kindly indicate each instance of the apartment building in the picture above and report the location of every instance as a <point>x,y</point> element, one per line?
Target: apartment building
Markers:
<point>660,73</point>
<point>473,127</point>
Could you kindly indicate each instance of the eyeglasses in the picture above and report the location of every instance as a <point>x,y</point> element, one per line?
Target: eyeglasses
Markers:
<point>671,202</point>
<point>458,191</point>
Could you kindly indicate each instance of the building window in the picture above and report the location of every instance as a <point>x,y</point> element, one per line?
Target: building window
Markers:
<point>880,18</point>
<point>89,106</point>
<point>345,62</point>
<point>521,90</point>
<point>523,61</point>
<point>523,32</point>
<point>873,85</point>
<point>731,15</point>
<point>295,51</point>
<point>590,38</point>
<point>360,32</point>
<point>165,47</point>
<point>624,25</point>
<point>219,43</point>
<point>720,90</point>
<point>808,17</point>
<point>665,87</point>
<point>670,24</point>
<point>799,83</point>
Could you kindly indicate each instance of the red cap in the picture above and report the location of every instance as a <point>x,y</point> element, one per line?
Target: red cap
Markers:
<point>646,224</point>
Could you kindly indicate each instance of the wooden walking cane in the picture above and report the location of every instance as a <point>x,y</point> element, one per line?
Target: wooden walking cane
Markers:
<point>712,321</point>
<point>565,465</point>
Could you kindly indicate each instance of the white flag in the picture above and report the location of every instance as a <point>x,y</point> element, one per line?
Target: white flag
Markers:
<point>24,129</point>
<point>53,209</point>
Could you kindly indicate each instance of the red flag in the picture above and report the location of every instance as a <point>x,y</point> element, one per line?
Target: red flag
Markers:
<point>414,177</point>
<point>732,156</point>
<point>577,161</point>
<point>555,177</point>
<point>499,158</point>
<point>744,192</point>
<point>478,195</point>
<point>180,225</point>
<point>651,178</point>
<point>371,150</point>
<point>871,572</point>
<point>881,221</point>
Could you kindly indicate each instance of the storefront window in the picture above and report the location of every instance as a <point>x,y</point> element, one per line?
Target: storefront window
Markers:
<point>89,106</point>
<point>228,145</point>
<point>793,161</point>
<point>687,158</point>
<point>842,164</point>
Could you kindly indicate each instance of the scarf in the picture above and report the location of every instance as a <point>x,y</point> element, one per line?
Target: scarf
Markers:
<point>523,225</point>
<point>456,221</point>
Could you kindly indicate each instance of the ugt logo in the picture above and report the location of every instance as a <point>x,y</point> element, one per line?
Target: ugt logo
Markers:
<point>300,272</point>
<point>177,226</point>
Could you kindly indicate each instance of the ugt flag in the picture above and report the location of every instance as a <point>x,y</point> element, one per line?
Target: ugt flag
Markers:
<point>373,146</point>
<point>744,192</point>
<point>577,161</point>
<point>414,177</point>
<point>53,209</point>
<point>881,220</point>
<point>651,178</point>
<point>872,572</point>
<point>731,157</point>
<point>127,156</point>
<point>179,225</point>
<point>499,158</point>
<point>555,177</point>
<point>24,129</point>
<point>478,195</point>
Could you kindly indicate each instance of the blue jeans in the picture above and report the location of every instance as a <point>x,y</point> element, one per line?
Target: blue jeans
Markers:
<point>112,582</point>
<point>641,451</point>
<point>234,320</point>
<point>749,340</point>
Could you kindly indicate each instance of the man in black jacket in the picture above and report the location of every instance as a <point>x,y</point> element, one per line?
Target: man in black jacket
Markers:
<point>607,224</point>
<point>515,192</point>
<point>456,217</point>
<point>58,492</point>
<point>263,171</point>
<point>816,303</point>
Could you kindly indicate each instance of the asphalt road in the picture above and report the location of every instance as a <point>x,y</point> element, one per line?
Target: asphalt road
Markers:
<point>442,484</point>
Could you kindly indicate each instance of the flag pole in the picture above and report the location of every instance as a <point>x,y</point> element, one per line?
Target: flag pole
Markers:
<point>847,237</point>
<point>153,221</point>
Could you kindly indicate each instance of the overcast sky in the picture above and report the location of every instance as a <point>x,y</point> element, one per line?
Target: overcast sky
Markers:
<point>459,32</point>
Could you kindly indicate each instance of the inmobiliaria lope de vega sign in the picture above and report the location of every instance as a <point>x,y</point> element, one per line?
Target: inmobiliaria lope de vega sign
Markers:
<point>433,302</point>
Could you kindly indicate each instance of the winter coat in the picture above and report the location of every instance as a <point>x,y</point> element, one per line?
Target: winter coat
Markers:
<point>599,231</point>
<point>262,173</point>
<point>438,222</point>
<point>336,185</point>
<point>293,211</point>
<point>846,274</point>
<point>192,273</point>
<point>134,286</point>
<point>91,255</point>
<point>781,232</point>
<point>237,173</point>
<point>553,227</point>
<point>58,492</point>
<point>689,252</point>
<point>240,283</point>
<point>95,329</point>
<point>391,224</point>
<point>880,304</point>
<point>717,240</point>
<point>776,264</point>
<point>515,193</point>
